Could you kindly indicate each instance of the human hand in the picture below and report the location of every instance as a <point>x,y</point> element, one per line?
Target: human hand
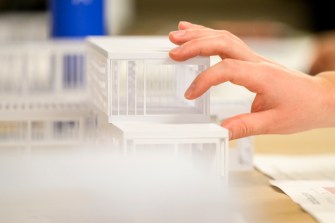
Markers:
<point>286,101</point>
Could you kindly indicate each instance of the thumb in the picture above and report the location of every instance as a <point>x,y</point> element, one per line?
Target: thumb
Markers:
<point>248,124</point>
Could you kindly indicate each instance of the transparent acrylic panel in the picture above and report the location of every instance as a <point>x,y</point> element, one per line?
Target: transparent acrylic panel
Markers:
<point>38,130</point>
<point>12,65</point>
<point>66,130</point>
<point>155,149</point>
<point>203,155</point>
<point>151,88</point>
<point>29,68</point>
<point>131,83</point>
<point>140,99</point>
<point>115,87</point>
<point>123,88</point>
<point>73,71</point>
<point>13,131</point>
<point>38,73</point>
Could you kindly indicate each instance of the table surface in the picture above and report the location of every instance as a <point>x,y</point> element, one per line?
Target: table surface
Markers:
<point>261,202</point>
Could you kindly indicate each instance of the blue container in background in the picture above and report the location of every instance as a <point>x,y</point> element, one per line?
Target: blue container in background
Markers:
<point>77,18</point>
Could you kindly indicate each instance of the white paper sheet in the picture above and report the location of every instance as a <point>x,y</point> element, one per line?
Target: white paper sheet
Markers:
<point>306,167</point>
<point>315,197</point>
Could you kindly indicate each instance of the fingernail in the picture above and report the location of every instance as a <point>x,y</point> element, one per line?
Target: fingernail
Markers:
<point>179,33</point>
<point>185,22</point>
<point>230,135</point>
<point>176,50</point>
<point>189,91</point>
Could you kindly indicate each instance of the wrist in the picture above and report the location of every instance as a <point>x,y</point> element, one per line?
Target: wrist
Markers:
<point>327,80</point>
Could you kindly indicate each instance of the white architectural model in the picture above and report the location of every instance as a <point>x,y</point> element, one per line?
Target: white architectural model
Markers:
<point>129,80</point>
<point>42,123</point>
<point>43,95</point>
<point>53,68</point>
<point>227,101</point>
<point>139,90</point>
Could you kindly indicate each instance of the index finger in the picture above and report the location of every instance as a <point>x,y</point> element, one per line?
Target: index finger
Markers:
<point>243,73</point>
<point>223,45</point>
<point>183,25</point>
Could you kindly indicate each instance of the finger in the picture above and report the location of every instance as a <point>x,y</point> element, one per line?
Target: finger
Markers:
<point>221,45</point>
<point>183,36</point>
<point>183,25</point>
<point>249,75</point>
<point>249,124</point>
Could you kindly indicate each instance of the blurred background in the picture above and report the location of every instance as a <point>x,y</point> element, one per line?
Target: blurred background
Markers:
<point>159,17</point>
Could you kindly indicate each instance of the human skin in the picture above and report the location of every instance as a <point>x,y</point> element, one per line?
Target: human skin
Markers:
<point>286,101</point>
